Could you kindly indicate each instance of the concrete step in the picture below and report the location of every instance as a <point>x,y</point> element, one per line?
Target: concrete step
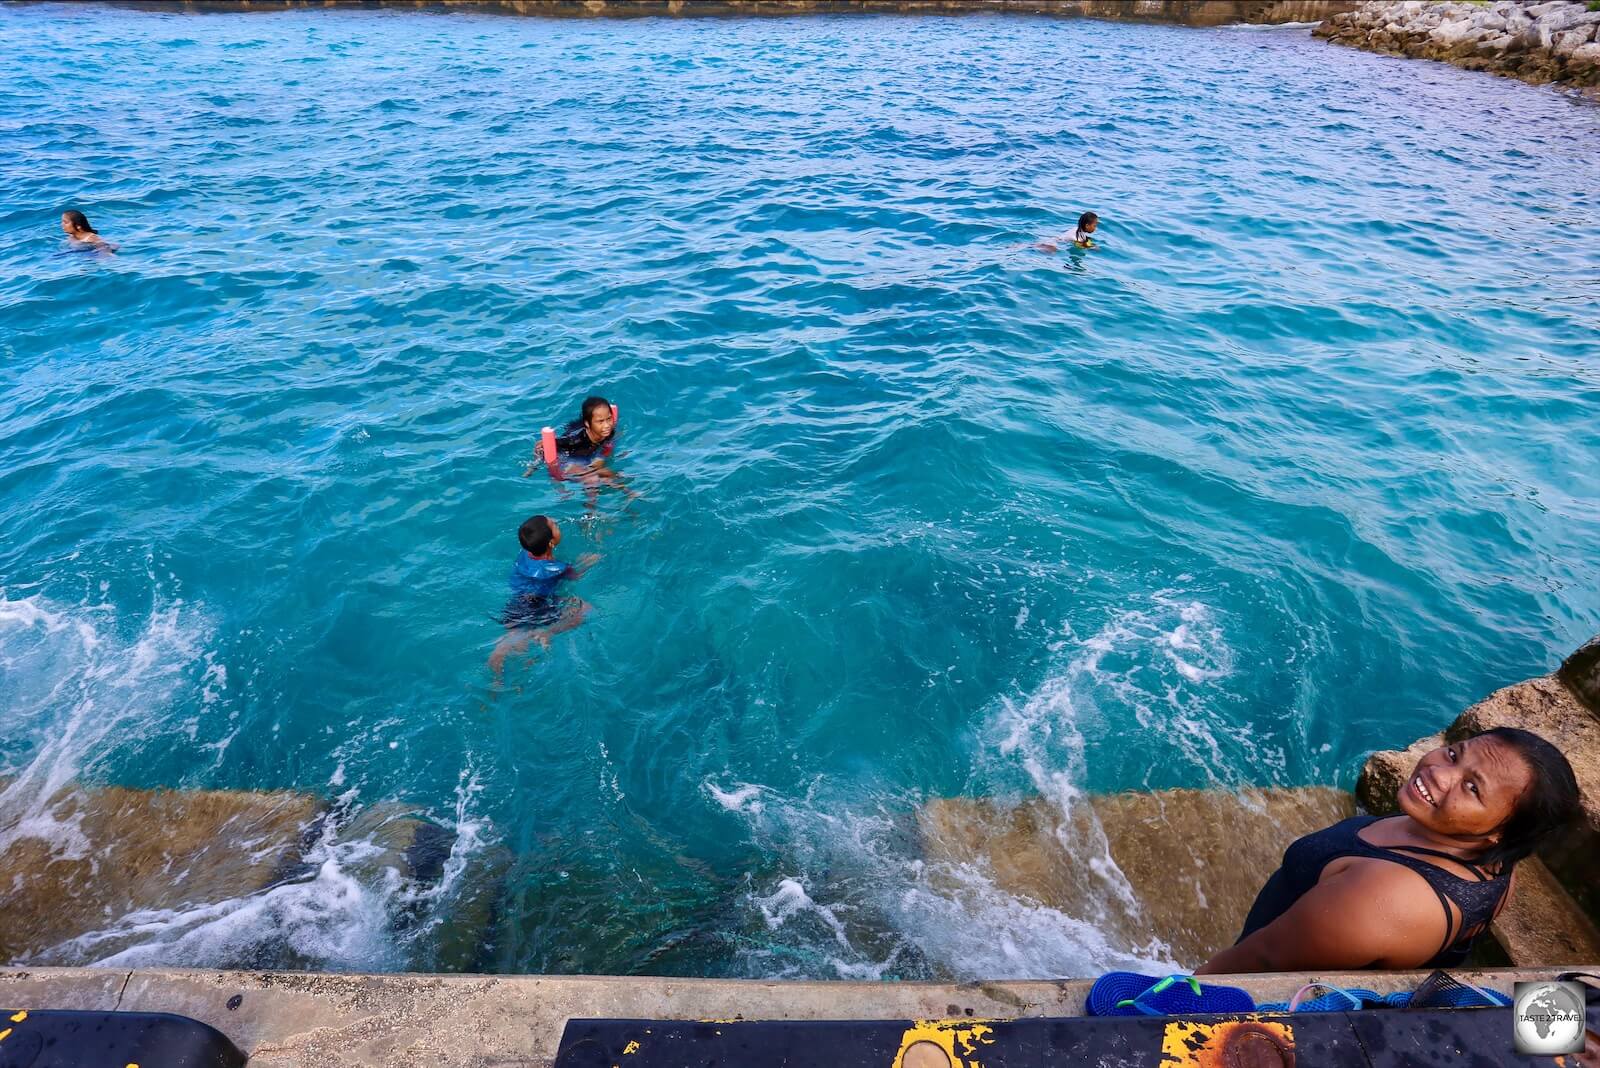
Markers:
<point>1181,867</point>
<point>1542,926</point>
<point>109,862</point>
<point>89,857</point>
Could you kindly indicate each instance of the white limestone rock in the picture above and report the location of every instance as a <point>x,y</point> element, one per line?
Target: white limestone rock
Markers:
<point>1585,57</point>
<point>1454,33</point>
<point>1496,45</point>
<point>1568,42</point>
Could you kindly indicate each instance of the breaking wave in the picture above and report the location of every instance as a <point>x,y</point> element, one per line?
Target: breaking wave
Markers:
<point>345,891</point>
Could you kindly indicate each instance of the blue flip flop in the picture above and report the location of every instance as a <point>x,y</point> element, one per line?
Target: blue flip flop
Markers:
<point>1132,994</point>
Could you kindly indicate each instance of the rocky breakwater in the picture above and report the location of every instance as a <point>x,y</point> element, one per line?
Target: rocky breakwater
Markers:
<point>1551,919</point>
<point>1555,41</point>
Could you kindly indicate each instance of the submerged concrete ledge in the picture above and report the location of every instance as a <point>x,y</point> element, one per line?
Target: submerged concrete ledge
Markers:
<point>283,1019</point>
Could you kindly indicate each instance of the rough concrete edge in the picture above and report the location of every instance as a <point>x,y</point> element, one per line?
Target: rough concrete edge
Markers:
<point>344,1020</point>
<point>624,10</point>
<point>1580,674</point>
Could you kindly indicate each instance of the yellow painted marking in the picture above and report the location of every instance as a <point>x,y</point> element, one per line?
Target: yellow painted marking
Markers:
<point>959,1039</point>
<point>4,1033</point>
<point>631,1047</point>
<point>1204,1045</point>
<point>19,1016</point>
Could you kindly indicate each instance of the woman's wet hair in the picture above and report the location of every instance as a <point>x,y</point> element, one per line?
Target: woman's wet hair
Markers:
<point>1086,218</point>
<point>535,535</point>
<point>592,405</point>
<point>79,220</point>
<point>1550,803</point>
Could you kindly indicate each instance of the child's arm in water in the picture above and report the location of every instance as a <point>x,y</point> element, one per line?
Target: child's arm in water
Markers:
<point>538,461</point>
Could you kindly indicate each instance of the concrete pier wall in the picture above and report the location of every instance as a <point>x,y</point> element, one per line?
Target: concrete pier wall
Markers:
<point>1186,12</point>
<point>296,1020</point>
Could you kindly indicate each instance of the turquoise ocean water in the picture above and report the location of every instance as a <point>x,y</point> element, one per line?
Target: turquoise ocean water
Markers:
<point>1297,464</point>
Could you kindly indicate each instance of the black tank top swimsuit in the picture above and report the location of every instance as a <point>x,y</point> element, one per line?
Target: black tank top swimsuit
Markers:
<point>1477,897</point>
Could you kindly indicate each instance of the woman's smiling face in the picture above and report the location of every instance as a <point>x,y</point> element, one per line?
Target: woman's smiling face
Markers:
<point>1468,789</point>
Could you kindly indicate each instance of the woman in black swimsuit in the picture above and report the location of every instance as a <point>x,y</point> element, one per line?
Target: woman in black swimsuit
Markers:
<point>1413,890</point>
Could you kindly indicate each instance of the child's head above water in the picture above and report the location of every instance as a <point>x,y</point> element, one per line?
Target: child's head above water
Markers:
<point>75,223</point>
<point>597,418</point>
<point>1087,222</point>
<point>539,535</point>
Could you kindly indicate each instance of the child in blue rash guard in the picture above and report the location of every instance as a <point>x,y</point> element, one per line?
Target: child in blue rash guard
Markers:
<point>535,612</point>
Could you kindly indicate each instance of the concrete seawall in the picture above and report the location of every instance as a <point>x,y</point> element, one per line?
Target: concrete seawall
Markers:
<point>296,1020</point>
<point>1186,12</point>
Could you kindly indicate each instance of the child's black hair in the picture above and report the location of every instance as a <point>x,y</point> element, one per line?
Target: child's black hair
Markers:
<point>535,534</point>
<point>591,405</point>
<point>79,220</point>
<point>1086,218</point>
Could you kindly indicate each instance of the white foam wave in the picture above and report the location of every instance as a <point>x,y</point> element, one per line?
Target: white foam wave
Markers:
<point>350,908</point>
<point>471,838</point>
<point>958,915</point>
<point>858,897</point>
<point>331,920</point>
<point>1270,27</point>
<point>863,902</point>
<point>1167,664</point>
<point>1042,734</point>
<point>71,685</point>
<point>75,687</point>
<point>742,797</point>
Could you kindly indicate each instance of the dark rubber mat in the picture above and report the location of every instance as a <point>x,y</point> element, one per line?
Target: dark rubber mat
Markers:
<point>1369,1039</point>
<point>48,1038</point>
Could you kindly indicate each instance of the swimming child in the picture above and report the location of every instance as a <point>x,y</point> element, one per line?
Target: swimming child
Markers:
<point>582,451</point>
<point>76,226</point>
<point>1088,222</point>
<point>592,432</point>
<point>535,612</point>
<point>587,439</point>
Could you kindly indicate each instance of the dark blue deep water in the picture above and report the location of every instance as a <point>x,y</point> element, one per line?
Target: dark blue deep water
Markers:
<point>1295,465</point>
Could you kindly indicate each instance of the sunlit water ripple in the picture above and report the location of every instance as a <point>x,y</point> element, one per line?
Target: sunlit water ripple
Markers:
<point>1296,464</point>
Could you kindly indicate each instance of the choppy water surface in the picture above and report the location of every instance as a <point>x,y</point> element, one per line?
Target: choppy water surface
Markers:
<point>1297,464</point>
